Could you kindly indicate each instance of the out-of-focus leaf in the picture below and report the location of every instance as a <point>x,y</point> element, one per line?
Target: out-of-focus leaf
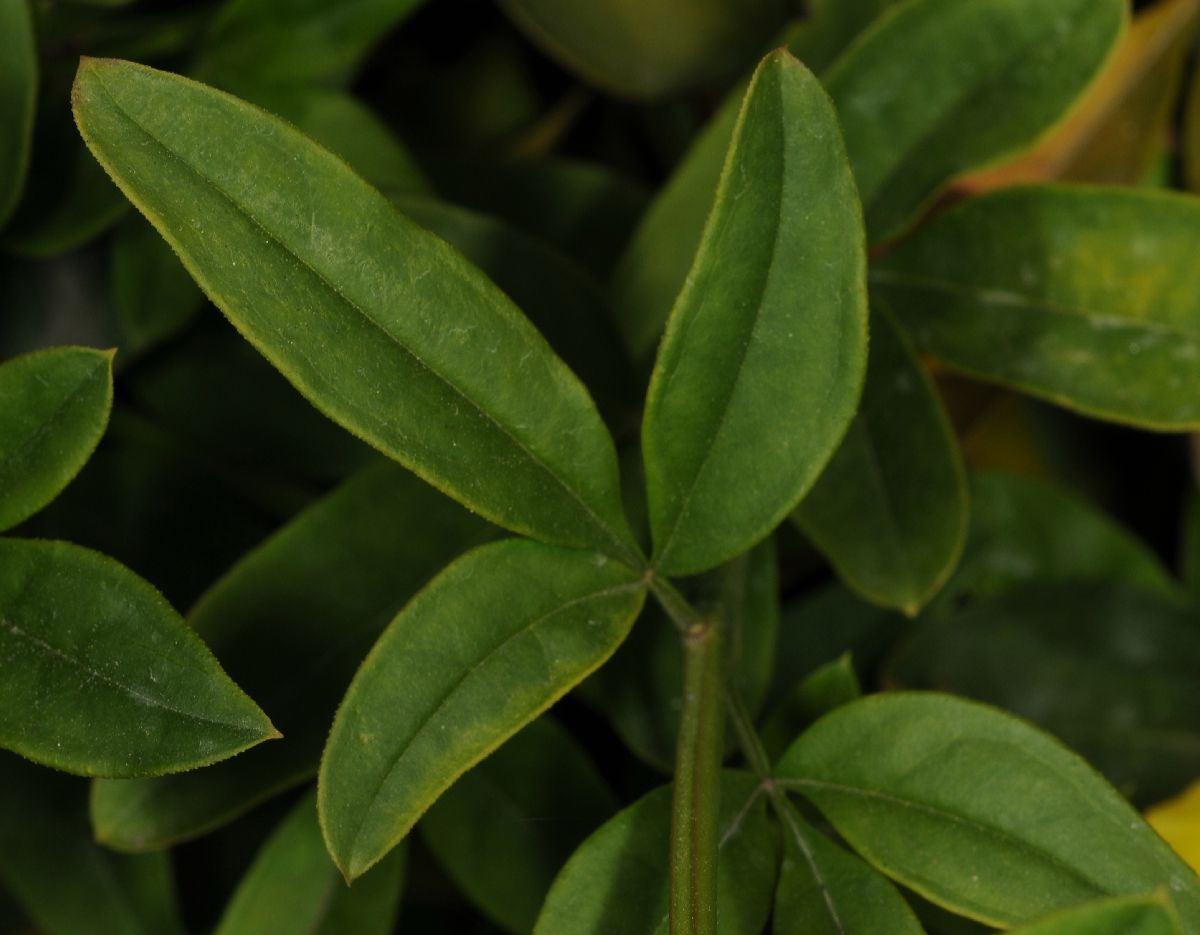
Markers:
<point>640,689</point>
<point>978,811</point>
<point>153,294</point>
<point>293,886</point>
<point>18,93</point>
<point>224,404</point>
<point>790,307</point>
<point>1107,669</point>
<point>349,300</point>
<point>831,26</point>
<point>1139,915</point>
<point>823,890</point>
<point>890,509</point>
<point>1083,297</point>
<point>1025,530</point>
<point>650,48</point>
<point>54,406</point>
<point>66,883</point>
<point>527,807</point>
<point>102,677</point>
<point>617,879</point>
<point>324,42</point>
<point>1116,130</point>
<point>560,298</point>
<point>916,110</point>
<point>831,686</point>
<point>1189,546</point>
<point>530,622</point>
<point>1178,821</point>
<point>291,621</point>
<point>584,209</point>
<point>1191,135</point>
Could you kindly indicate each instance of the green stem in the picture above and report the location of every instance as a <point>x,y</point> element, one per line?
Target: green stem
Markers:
<point>697,795</point>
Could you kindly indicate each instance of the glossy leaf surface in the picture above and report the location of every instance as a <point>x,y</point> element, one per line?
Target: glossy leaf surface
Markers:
<point>792,309</point>
<point>916,111</point>
<point>617,880</point>
<point>650,48</point>
<point>121,685</point>
<point>292,620</point>
<point>66,882</point>
<point>824,890</point>
<point>54,406</point>
<point>1086,298</point>
<point>978,811</point>
<point>18,92</point>
<point>1137,916</point>
<point>529,621</point>
<point>1107,669</point>
<point>890,509</point>
<point>527,806</point>
<point>293,886</point>
<point>380,324</point>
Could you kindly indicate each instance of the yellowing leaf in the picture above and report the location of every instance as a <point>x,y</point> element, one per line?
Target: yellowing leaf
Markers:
<point>1178,821</point>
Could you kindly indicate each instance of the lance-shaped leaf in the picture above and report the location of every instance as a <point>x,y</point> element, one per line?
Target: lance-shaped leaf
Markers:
<point>823,890</point>
<point>18,92</point>
<point>762,363</point>
<point>63,879</point>
<point>291,621</point>
<point>527,806</point>
<point>1120,126</point>
<point>485,648</point>
<point>1089,298</point>
<point>54,406</point>
<point>617,880</point>
<point>890,509</point>
<point>324,41</point>
<point>293,886</point>
<point>102,677</point>
<point>1108,669</point>
<point>916,111</point>
<point>1139,915</point>
<point>383,326</point>
<point>650,48</point>
<point>978,811</point>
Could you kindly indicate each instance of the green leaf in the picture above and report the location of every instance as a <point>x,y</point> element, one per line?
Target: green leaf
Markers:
<point>353,557</point>
<point>527,806</point>
<point>54,406</point>
<point>380,324</point>
<point>530,622</point>
<point>792,310</point>
<point>825,891</point>
<point>830,27</point>
<point>916,112</point>
<point>617,880</point>
<point>102,677</point>
<point>293,886</point>
<point>890,509</point>
<point>641,687</point>
<point>18,93</point>
<point>830,686</point>
<point>650,48</point>
<point>1140,915</point>
<point>561,299</point>
<point>67,883</point>
<point>1107,669</point>
<point>1083,297</point>
<point>324,43</point>
<point>978,811</point>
